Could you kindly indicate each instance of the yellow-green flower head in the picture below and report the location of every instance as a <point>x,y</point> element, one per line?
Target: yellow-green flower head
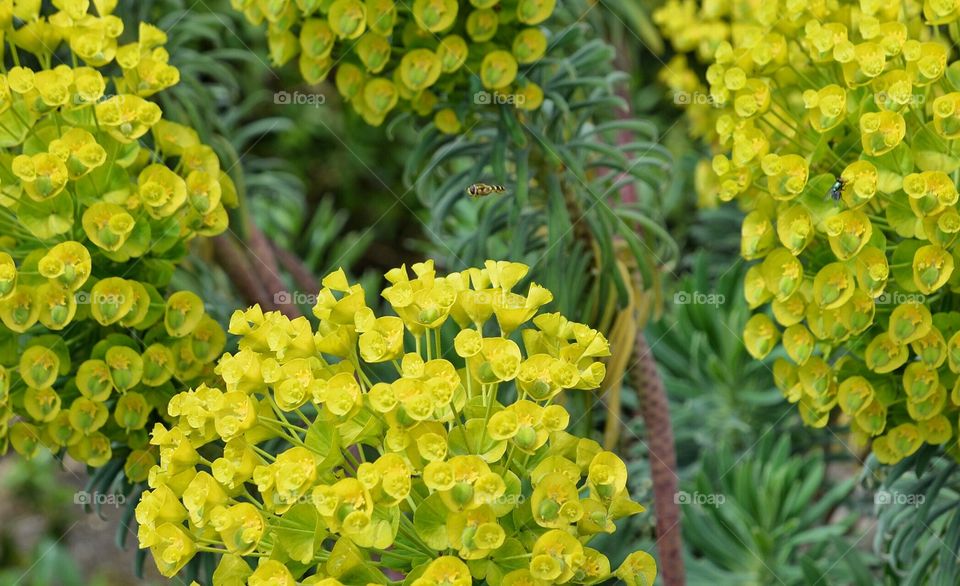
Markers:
<point>940,11</point>
<point>529,45</point>
<point>946,115</point>
<point>848,233</point>
<point>752,97</point>
<point>20,310</point>
<point>288,479</point>
<point>926,408</point>
<point>316,38</point>
<point>350,451</point>
<point>482,25</point>
<point>380,96</point>
<point>42,175</point>
<point>381,16</point>
<point>445,571</point>
<point>271,573</point>
<point>881,132</point>
<point>435,15</point>
<point>161,191</point>
<point>107,225</point>
<point>498,70</point>
<point>855,395</point>
<point>184,311</point>
<point>86,416</point>
<point>202,496</point>
<point>8,275</point>
<point>885,354</point>
<point>446,121</point>
<point>173,547</point>
<point>639,567</point>
<point>452,52</point>
<point>374,51</point>
<point>827,107</point>
<point>926,62</point>
<point>795,229</point>
<point>240,526</point>
<point>909,322</point>
<point>79,151</point>
<point>39,366</point>
<point>864,182</point>
<point>156,507</point>
<point>127,117</point>
<point>894,90</point>
<point>790,311</point>
<point>754,288</point>
<point>420,69</point>
<point>132,411</point>
<point>177,453</point>
<point>782,273</point>
<point>833,285</point>
<point>799,343</point>
<point>138,464</point>
<point>534,11</point>
<point>43,405</point>
<point>786,175</point>
<point>347,18</point>
<point>931,349</point>
<point>237,464</point>
<point>932,267</point>
<point>760,336</point>
<point>920,382</point>
<point>529,96</point>
<point>475,533</point>
<point>557,555</point>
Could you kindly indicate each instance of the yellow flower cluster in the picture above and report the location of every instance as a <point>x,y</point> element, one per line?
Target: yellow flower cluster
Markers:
<point>386,54</point>
<point>92,219</point>
<point>368,445</point>
<point>835,128</point>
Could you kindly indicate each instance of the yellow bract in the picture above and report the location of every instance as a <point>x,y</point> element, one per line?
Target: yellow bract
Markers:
<point>387,56</point>
<point>85,215</point>
<point>854,239</point>
<point>385,438</point>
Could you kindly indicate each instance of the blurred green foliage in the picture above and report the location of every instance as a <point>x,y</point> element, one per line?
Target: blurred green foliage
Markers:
<point>768,516</point>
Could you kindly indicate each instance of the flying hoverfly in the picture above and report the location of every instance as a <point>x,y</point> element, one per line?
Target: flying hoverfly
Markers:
<point>836,190</point>
<point>478,190</point>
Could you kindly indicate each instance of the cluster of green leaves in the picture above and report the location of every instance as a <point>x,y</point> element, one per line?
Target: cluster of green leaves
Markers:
<point>766,517</point>
<point>718,392</point>
<point>918,525</point>
<point>727,417</point>
<point>275,151</point>
<point>564,168</point>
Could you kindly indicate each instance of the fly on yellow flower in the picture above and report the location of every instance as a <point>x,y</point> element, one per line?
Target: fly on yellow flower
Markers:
<point>478,190</point>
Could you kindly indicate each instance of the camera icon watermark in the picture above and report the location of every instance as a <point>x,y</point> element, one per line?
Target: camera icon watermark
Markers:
<point>294,298</point>
<point>698,298</point>
<point>86,499</point>
<point>683,497</point>
<point>894,497</point>
<point>498,299</point>
<point>484,98</point>
<point>509,499</point>
<point>884,98</point>
<point>285,98</point>
<point>683,98</point>
<point>88,298</point>
<point>899,297</point>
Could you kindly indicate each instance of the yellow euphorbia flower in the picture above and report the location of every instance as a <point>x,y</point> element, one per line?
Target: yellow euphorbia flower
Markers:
<point>428,461</point>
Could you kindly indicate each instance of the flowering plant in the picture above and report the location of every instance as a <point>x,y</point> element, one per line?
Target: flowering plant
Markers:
<point>419,56</point>
<point>835,128</point>
<point>94,215</point>
<point>455,469</point>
